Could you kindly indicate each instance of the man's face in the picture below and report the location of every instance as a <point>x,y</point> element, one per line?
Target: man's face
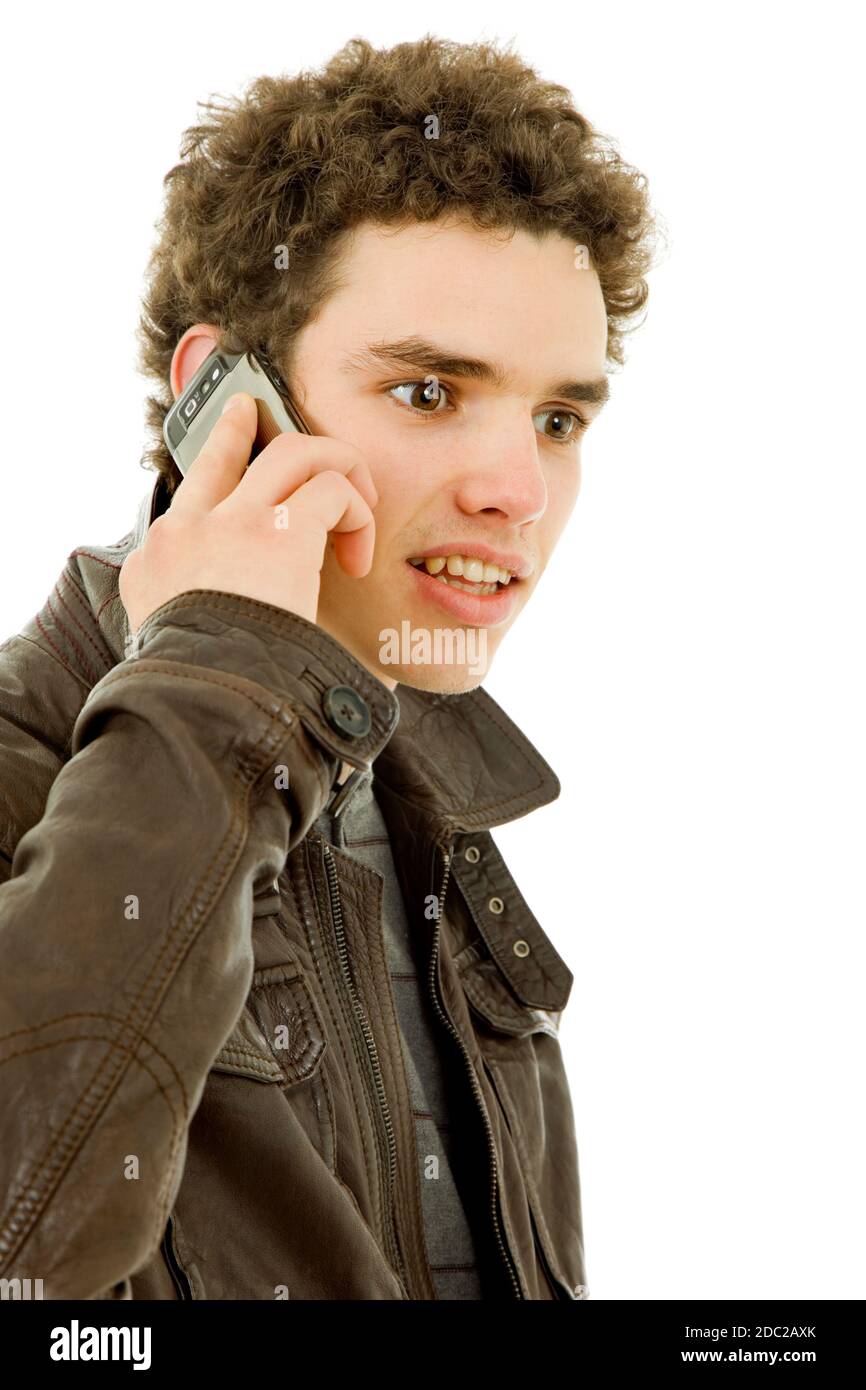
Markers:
<point>488,470</point>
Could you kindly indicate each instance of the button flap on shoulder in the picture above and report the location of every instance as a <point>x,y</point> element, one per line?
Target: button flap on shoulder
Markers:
<point>279,1036</point>
<point>536,973</point>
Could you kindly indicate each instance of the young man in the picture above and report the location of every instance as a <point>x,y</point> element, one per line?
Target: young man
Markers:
<point>276,1021</point>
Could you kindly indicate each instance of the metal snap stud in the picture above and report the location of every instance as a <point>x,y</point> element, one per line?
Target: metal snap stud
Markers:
<point>521,948</point>
<point>496,905</point>
<point>473,854</point>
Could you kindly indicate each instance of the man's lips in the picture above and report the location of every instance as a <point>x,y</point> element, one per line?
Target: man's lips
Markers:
<point>477,610</point>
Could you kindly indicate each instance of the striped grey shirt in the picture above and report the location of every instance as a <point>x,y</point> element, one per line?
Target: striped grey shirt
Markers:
<point>451,1253</point>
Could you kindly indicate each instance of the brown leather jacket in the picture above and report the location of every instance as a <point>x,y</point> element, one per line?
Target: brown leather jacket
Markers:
<point>201,1084</point>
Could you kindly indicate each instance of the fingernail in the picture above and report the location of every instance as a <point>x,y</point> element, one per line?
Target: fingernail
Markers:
<point>232,400</point>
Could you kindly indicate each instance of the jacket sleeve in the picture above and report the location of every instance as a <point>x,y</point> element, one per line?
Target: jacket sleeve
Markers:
<point>193,768</point>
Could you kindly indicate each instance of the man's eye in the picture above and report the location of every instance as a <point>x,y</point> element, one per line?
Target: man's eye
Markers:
<point>569,425</point>
<point>425,396</point>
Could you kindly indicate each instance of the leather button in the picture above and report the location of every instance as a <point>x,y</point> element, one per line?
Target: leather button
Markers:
<point>346,711</point>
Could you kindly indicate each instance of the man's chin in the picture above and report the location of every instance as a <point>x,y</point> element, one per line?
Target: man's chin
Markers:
<point>442,679</point>
<point>451,660</point>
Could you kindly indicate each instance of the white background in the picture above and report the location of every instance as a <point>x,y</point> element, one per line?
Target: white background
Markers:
<point>692,665</point>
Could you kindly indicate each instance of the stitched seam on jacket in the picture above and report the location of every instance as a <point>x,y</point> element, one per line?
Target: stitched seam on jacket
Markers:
<point>112,598</point>
<point>104,655</point>
<point>90,624</point>
<point>110,1018</point>
<point>100,559</point>
<point>50,651</point>
<point>264,1066</point>
<point>24,1209</point>
<point>56,650</point>
<point>99,1037</point>
<point>86,667</point>
<point>264,1062</point>
<point>165,666</point>
<point>177,1122</point>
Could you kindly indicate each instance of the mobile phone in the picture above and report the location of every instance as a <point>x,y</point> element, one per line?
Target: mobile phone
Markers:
<point>195,412</point>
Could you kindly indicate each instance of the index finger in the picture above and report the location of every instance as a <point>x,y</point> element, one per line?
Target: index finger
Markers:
<point>222,460</point>
<point>293,458</point>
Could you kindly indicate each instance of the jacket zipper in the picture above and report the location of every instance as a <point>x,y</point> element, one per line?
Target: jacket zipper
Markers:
<point>372,1053</point>
<point>440,1008</point>
<point>181,1282</point>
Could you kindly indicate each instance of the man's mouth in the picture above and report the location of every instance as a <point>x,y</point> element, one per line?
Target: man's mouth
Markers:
<point>467,572</point>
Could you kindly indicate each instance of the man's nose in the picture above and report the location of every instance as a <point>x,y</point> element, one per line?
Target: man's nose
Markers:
<point>503,474</point>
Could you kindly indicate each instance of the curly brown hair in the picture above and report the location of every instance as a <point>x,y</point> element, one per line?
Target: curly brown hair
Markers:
<point>296,162</point>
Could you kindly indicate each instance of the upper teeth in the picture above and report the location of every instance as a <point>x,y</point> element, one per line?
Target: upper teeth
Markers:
<point>469,566</point>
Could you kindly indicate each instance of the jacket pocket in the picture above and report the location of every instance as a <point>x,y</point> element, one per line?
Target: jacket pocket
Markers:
<point>523,1063</point>
<point>280,1039</point>
<point>278,1045</point>
<point>532,1093</point>
<point>279,1036</point>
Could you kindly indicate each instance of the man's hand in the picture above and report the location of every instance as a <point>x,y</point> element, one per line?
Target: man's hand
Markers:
<point>259,531</point>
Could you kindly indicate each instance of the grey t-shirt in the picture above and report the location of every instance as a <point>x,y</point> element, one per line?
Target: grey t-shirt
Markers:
<point>451,1252</point>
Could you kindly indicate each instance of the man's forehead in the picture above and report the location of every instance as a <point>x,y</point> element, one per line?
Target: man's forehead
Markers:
<point>429,287</point>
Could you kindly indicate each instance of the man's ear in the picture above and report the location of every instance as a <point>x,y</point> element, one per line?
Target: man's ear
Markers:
<point>196,344</point>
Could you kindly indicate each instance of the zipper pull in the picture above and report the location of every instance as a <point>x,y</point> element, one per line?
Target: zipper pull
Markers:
<point>447,855</point>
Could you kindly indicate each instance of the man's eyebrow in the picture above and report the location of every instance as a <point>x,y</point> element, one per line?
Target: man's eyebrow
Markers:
<point>418,354</point>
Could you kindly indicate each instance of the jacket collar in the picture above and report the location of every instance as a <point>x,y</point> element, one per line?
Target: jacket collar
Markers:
<point>463,762</point>
<point>458,758</point>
